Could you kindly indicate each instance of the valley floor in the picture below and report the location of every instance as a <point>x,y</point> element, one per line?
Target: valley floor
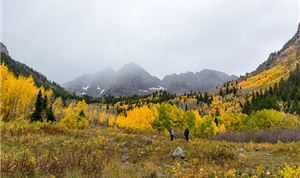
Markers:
<point>52,151</point>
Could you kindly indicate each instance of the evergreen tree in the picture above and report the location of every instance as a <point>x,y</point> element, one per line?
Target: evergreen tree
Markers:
<point>45,102</point>
<point>221,93</point>
<point>39,104</point>
<point>201,97</point>
<point>50,114</point>
<point>206,98</point>
<point>227,88</point>
<point>81,113</point>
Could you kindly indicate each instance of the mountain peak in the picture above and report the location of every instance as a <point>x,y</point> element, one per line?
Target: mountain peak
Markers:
<point>131,65</point>
<point>209,70</point>
<point>132,68</point>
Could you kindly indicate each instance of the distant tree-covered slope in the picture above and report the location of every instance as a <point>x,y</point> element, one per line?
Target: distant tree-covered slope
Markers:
<point>283,96</point>
<point>40,80</point>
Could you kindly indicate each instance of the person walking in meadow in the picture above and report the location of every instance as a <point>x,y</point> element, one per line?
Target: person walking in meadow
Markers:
<point>186,134</point>
<point>217,122</point>
<point>172,133</point>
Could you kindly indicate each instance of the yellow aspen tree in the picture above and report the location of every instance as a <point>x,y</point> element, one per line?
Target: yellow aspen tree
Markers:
<point>18,96</point>
<point>58,108</point>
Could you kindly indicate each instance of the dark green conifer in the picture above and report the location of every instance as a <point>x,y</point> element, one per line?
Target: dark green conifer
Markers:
<point>39,104</point>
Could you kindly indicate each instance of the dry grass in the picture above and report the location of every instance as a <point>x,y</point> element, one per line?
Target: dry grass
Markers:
<point>95,152</point>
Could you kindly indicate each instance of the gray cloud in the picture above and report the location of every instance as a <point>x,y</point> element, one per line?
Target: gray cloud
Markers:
<point>64,39</point>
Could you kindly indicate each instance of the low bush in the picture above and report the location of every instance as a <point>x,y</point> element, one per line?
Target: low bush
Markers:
<point>74,121</point>
<point>272,136</point>
<point>268,119</point>
<point>290,171</point>
<point>21,126</point>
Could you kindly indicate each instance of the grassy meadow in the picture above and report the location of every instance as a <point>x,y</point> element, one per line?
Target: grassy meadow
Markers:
<point>49,150</point>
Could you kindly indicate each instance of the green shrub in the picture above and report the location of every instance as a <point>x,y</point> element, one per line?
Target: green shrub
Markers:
<point>19,126</point>
<point>268,119</point>
<point>169,116</point>
<point>234,121</point>
<point>206,127</point>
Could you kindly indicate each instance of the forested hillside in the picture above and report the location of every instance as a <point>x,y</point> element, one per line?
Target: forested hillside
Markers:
<point>284,95</point>
<point>19,69</point>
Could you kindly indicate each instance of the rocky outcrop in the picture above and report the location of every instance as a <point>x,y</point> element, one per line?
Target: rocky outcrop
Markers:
<point>3,49</point>
<point>275,57</point>
<point>178,153</point>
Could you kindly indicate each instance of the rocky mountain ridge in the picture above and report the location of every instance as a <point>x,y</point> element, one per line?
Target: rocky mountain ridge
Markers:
<point>132,79</point>
<point>275,57</point>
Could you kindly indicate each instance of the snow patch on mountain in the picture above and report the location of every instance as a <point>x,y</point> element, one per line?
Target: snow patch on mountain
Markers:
<point>157,88</point>
<point>86,88</point>
<point>144,91</point>
<point>102,91</point>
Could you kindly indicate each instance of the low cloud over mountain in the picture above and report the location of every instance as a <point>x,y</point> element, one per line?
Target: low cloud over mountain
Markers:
<point>132,79</point>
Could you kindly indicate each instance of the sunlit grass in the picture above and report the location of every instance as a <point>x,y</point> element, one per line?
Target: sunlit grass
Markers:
<point>97,152</point>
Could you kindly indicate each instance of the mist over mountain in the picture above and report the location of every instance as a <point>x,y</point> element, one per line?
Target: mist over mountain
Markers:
<point>204,80</point>
<point>132,79</point>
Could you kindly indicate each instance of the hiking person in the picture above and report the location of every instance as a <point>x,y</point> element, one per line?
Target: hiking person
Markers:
<point>217,122</point>
<point>172,134</point>
<point>186,134</point>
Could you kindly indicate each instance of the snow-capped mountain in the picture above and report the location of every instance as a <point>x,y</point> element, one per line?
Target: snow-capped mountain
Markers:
<point>132,79</point>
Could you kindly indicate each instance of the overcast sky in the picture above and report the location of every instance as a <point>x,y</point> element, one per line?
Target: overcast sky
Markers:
<point>66,38</point>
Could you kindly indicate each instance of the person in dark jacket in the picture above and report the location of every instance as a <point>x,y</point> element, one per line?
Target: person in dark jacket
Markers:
<point>172,133</point>
<point>217,122</point>
<point>186,134</point>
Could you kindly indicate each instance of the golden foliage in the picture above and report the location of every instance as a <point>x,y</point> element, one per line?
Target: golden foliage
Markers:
<point>74,121</point>
<point>58,108</point>
<point>103,117</point>
<point>290,171</point>
<point>138,118</point>
<point>272,75</point>
<point>75,108</point>
<point>72,118</point>
<point>18,95</point>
